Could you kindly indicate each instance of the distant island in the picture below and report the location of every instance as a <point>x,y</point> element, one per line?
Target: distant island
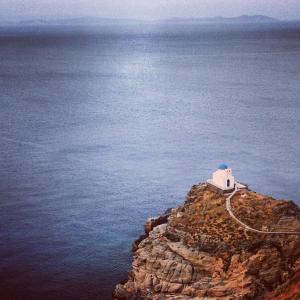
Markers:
<point>94,21</point>
<point>240,19</point>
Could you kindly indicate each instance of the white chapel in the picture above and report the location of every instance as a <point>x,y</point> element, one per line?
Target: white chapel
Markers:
<point>223,178</point>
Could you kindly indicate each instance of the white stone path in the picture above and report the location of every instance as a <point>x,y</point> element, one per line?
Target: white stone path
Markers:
<point>228,207</point>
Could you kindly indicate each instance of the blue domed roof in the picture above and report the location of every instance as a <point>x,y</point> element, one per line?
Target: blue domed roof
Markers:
<point>223,166</point>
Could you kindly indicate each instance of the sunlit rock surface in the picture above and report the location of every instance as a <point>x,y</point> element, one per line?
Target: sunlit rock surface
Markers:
<point>196,251</point>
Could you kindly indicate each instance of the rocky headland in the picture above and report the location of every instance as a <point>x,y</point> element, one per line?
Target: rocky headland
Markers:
<point>198,251</point>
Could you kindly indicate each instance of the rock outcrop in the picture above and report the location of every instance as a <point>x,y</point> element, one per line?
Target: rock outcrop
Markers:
<point>197,251</point>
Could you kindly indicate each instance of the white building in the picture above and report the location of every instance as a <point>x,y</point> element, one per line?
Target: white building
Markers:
<point>223,178</point>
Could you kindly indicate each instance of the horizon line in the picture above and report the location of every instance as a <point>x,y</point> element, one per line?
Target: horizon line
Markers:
<point>211,19</point>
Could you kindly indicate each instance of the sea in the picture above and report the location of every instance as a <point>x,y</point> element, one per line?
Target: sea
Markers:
<point>104,127</point>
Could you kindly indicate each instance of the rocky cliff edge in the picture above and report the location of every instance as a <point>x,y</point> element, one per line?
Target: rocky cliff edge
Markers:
<point>197,251</point>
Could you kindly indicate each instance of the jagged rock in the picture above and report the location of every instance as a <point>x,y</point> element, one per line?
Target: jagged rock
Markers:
<point>148,227</point>
<point>153,222</point>
<point>197,251</point>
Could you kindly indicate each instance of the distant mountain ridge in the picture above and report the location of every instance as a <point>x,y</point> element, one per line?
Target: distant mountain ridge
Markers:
<point>219,19</point>
<point>93,21</point>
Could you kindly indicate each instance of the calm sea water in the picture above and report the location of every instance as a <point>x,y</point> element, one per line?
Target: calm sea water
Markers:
<point>100,129</point>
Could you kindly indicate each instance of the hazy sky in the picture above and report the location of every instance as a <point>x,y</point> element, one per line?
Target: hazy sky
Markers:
<point>148,9</point>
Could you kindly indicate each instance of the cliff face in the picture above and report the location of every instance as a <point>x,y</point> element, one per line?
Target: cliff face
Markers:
<point>197,251</point>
